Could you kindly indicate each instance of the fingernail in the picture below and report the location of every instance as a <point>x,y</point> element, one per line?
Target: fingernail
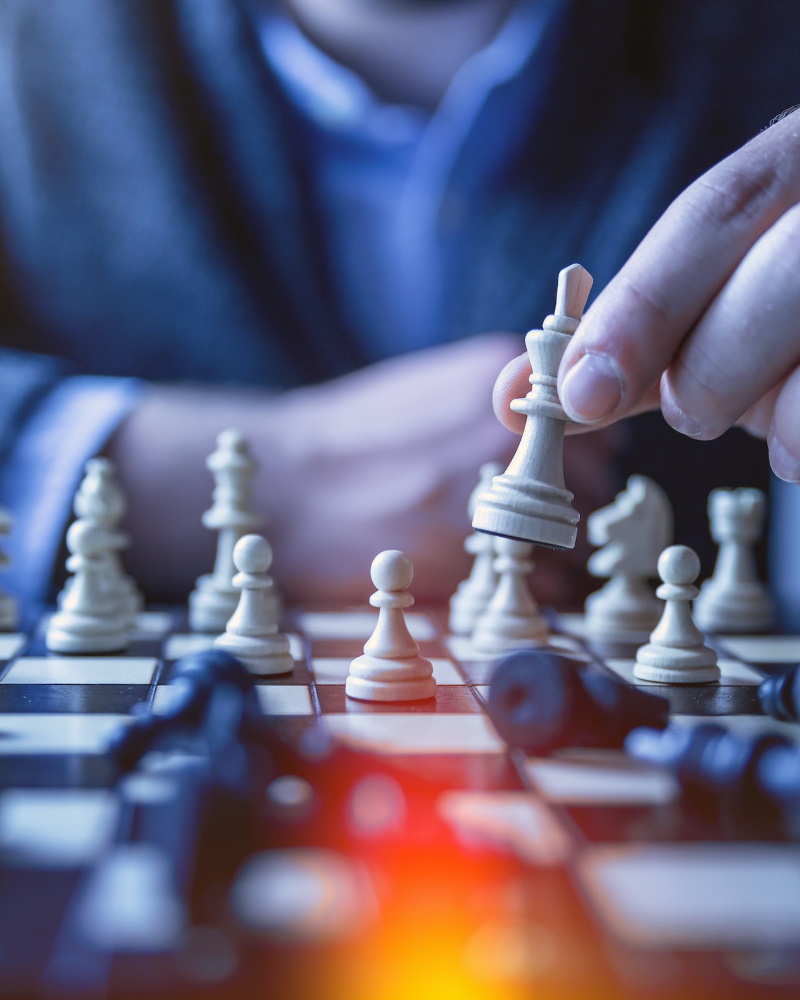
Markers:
<point>592,389</point>
<point>674,415</point>
<point>784,464</point>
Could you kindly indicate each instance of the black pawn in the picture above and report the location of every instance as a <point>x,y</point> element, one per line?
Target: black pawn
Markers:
<point>780,695</point>
<point>540,701</point>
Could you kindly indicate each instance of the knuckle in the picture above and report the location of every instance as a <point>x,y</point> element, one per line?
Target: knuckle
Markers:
<point>734,194</point>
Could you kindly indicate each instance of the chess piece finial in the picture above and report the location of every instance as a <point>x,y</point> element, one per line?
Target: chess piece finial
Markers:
<point>390,668</point>
<point>252,634</point>
<point>215,598</point>
<point>529,501</point>
<point>89,619</point>
<point>512,619</point>
<point>633,531</point>
<point>676,653</point>
<point>474,593</point>
<point>733,599</point>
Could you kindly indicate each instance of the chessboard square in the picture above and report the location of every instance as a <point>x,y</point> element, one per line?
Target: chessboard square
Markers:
<point>10,644</point>
<point>512,820</point>
<point>81,670</point>
<point>697,896</point>
<point>189,643</point>
<point>357,625</point>
<point>55,827</point>
<point>335,670</point>
<point>285,699</point>
<point>763,648</point>
<point>733,674</point>
<point>412,734</point>
<point>31,733</point>
<point>593,777</point>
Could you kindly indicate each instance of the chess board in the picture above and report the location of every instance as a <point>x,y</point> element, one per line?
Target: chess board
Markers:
<point>583,874</point>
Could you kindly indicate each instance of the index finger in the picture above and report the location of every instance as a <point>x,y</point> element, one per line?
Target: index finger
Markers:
<point>636,327</point>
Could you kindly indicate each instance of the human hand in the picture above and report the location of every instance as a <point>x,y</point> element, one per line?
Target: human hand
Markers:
<point>383,458</point>
<point>703,318</point>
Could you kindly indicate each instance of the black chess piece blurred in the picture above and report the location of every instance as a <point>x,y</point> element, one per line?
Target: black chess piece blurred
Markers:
<point>748,782</point>
<point>540,701</point>
<point>780,695</point>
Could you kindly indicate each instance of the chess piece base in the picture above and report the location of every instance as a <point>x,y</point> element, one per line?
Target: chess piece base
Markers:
<point>747,608</point>
<point>607,618</point>
<point>264,655</point>
<point>75,633</point>
<point>502,633</point>
<point>671,665</point>
<point>211,607</point>
<point>374,678</point>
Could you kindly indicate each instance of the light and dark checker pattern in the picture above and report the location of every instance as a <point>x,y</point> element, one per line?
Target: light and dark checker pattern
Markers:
<point>647,878</point>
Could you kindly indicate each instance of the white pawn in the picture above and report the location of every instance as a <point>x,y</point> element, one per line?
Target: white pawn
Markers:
<point>215,598</point>
<point>89,620</point>
<point>734,599</point>
<point>100,498</point>
<point>391,668</point>
<point>252,634</point>
<point>473,594</point>
<point>9,611</point>
<point>677,653</point>
<point>512,619</point>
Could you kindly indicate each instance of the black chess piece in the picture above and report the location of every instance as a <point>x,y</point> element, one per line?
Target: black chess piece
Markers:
<point>780,695</point>
<point>748,779</point>
<point>541,701</point>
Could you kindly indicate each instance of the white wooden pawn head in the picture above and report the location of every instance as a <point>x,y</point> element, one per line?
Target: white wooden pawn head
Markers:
<point>252,555</point>
<point>391,570</point>
<point>679,565</point>
<point>634,530</point>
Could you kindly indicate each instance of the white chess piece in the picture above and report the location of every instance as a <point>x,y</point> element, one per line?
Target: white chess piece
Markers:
<point>215,598</point>
<point>676,653</point>
<point>9,611</point>
<point>473,594</point>
<point>633,530</point>
<point>529,501</point>
<point>99,497</point>
<point>252,634</point>
<point>512,619</point>
<point>734,599</point>
<point>391,668</point>
<point>89,620</point>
